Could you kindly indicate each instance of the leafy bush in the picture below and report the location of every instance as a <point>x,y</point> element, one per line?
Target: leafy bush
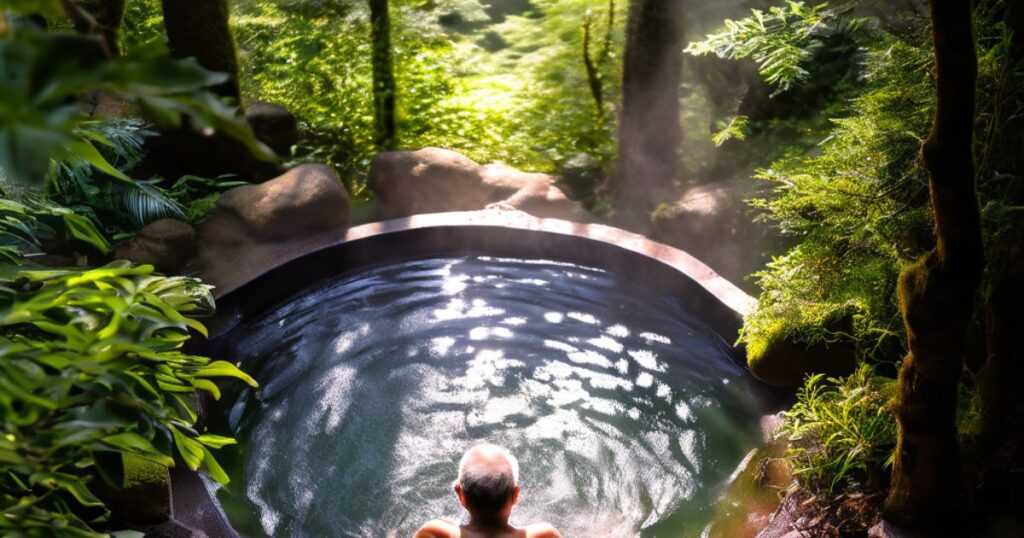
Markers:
<point>841,430</point>
<point>91,366</point>
<point>860,211</point>
<point>860,207</point>
<point>123,206</point>
<point>91,360</point>
<point>45,74</point>
<point>782,41</point>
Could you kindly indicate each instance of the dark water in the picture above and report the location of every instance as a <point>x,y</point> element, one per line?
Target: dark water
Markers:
<point>624,410</point>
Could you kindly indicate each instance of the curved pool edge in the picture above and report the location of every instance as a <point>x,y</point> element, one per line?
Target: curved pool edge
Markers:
<point>254,286</point>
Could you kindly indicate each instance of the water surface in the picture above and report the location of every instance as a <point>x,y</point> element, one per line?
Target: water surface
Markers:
<point>624,409</point>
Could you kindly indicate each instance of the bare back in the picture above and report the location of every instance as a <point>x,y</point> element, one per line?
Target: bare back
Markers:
<point>445,529</point>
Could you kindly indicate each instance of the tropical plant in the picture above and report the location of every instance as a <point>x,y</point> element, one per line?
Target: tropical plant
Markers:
<point>42,116</point>
<point>91,365</point>
<point>841,430</point>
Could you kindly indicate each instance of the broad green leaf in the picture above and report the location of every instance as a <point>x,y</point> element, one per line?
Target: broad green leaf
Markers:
<point>225,369</point>
<point>213,467</point>
<point>137,444</point>
<point>215,441</point>
<point>191,450</point>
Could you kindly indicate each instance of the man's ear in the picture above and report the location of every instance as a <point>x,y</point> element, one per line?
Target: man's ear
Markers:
<point>515,496</point>
<point>460,495</point>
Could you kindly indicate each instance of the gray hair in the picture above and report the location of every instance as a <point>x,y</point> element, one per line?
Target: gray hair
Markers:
<point>488,485</point>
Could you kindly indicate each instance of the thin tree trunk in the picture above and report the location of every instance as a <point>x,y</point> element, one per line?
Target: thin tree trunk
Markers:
<point>199,29</point>
<point>107,15</point>
<point>384,88</point>
<point>937,293</point>
<point>649,129</point>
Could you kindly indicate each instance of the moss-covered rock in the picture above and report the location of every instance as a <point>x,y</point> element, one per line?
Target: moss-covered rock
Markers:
<point>788,354</point>
<point>145,494</point>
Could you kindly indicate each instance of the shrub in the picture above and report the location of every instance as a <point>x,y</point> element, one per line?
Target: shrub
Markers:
<point>859,208</point>
<point>841,430</point>
<point>91,365</point>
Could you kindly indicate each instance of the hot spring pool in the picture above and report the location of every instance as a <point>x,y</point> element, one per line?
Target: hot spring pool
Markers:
<point>626,412</point>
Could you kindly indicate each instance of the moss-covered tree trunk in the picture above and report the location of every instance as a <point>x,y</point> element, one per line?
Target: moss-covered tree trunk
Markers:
<point>199,29</point>
<point>649,129</point>
<point>384,88</point>
<point>107,16</point>
<point>937,293</point>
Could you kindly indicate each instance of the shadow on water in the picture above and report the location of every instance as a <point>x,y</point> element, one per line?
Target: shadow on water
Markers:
<point>626,412</point>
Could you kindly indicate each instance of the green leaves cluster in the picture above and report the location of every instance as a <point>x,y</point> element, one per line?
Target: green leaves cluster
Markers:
<point>841,430</point>
<point>781,40</point>
<point>91,366</point>
<point>24,225</point>
<point>43,75</point>
<point>859,208</point>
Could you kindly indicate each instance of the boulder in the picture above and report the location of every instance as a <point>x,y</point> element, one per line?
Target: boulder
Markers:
<point>166,244</point>
<point>254,227</point>
<point>713,223</point>
<point>306,199</point>
<point>434,180</point>
<point>785,360</point>
<point>273,125</point>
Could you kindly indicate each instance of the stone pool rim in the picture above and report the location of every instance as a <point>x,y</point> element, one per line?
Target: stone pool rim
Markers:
<point>255,285</point>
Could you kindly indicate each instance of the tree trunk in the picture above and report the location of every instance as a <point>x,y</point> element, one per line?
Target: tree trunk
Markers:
<point>384,90</point>
<point>108,16</point>
<point>199,29</point>
<point>649,129</point>
<point>937,293</point>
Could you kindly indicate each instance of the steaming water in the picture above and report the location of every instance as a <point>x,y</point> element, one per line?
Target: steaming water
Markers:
<point>624,410</point>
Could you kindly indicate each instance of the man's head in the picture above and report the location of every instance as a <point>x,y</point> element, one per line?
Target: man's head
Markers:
<point>488,482</point>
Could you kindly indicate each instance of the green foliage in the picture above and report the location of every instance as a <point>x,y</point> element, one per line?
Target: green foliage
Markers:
<point>859,208</point>
<point>91,366</point>
<point>24,225</point>
<point>125,206</point>
<point>318,67</point>
<point>91,360</point>
<point>514,91</point>
<point>841,430</point>
<point>781,41</point>
<point>41,117</point>
<point>735,129</point>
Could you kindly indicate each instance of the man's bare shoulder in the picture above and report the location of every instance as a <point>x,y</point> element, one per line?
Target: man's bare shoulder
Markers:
<point>438,528</point>
<point>541,530</point>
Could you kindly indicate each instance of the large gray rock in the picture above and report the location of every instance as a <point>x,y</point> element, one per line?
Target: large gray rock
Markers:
<point>434,180</point>
<point>166,244</point>
<point>254,227</point>
<point>713,223</point>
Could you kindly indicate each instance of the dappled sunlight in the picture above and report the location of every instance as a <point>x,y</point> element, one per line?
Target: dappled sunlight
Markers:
<point>404,386</point>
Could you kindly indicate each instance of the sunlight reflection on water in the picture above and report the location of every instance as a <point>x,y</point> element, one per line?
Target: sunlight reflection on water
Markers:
<point>616,401</point>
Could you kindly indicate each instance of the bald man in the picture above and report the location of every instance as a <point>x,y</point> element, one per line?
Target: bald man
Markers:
<point>488,489</point>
